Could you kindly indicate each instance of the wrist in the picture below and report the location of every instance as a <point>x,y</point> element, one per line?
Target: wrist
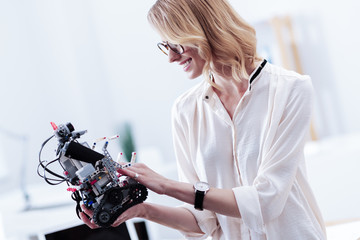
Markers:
<point>201,188</point>
<point>167,186</point>
<point>180,190</point>
<point>144,213</point>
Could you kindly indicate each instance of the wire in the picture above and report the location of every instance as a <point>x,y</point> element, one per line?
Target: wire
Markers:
<point>77,198</point>
<point>47,178</point>
<point>60,179</point>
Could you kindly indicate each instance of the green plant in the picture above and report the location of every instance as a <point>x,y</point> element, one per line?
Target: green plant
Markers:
<point>127,141</point>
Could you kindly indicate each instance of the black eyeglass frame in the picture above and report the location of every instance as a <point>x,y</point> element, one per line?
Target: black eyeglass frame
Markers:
<point>176,48</point>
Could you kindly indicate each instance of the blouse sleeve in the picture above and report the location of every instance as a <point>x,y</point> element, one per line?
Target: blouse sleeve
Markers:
<point>289,122</point>
<point>206,220</point>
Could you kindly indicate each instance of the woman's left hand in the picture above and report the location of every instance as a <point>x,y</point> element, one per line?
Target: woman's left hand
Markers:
<point>146,176</point>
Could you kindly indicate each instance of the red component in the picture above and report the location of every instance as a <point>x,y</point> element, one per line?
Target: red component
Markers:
<point>72,189</point>
<point>93,182</point>
<point>54,126</point>
<point>66,173</point>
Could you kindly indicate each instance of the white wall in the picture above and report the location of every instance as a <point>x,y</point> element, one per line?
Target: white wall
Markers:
<point>328,39</point>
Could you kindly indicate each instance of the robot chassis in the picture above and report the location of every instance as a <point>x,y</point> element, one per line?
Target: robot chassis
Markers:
<point>93,177</point>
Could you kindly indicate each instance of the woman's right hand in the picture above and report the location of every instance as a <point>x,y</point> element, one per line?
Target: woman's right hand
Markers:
<point>87,217</point>
<point>133,212</point>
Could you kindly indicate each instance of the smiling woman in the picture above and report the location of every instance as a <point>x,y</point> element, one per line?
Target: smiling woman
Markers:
<point>238,136</point>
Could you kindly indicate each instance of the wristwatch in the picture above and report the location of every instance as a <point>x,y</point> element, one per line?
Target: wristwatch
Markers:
<point>201,189</point>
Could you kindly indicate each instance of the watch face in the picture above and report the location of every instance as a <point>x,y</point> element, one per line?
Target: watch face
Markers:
<point>202,186</point>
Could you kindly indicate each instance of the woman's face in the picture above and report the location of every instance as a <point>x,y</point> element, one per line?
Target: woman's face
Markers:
<point>189,60</point>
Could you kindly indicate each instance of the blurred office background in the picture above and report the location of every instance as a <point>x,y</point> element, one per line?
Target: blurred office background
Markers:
<point>96,64</point>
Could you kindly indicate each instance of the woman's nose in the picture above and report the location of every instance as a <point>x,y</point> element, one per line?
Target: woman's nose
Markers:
<point>173,56</point>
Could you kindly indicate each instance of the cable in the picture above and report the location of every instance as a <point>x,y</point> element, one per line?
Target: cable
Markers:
<point>77,198</point>
<point>45,167</point>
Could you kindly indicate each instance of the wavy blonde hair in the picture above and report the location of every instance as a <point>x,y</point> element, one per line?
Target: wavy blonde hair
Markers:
<point>213,27</point>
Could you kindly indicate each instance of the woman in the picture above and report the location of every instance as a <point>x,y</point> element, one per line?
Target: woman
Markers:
<point>238,135</point>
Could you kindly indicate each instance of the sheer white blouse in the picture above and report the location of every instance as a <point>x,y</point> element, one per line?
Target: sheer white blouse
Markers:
<point>258,154</point>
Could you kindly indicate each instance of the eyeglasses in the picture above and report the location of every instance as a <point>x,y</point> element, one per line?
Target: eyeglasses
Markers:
<point>165,46</point>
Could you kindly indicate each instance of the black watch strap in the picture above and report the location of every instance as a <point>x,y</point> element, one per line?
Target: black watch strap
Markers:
<point>199,199</point>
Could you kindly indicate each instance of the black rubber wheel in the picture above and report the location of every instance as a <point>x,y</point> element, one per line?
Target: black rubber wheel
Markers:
<point>104,217</point>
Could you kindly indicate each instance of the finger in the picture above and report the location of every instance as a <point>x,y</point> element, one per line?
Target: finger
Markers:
<point>129,165</point>
<point>128,214</point>
<point>87,221</point>
<point>119,220</point>
<point>87,211</point>
<point>128,172</point>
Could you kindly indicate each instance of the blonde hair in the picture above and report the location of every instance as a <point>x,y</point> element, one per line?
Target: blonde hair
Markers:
<point>213,27</point>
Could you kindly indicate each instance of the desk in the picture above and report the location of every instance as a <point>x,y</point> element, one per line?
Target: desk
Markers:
<point>344,231</point>
<point>51,207</point>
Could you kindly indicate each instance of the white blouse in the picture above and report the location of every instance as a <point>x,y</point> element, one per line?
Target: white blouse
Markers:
<point>258,154</point>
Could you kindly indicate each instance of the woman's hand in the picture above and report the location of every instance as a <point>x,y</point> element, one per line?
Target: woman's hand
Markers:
<point>147,177</point>
<point>133,212</point>
<point>87,217</point>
